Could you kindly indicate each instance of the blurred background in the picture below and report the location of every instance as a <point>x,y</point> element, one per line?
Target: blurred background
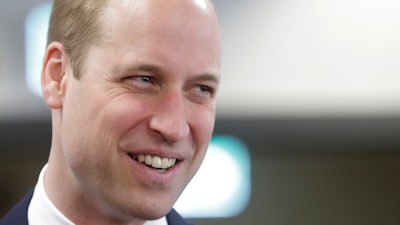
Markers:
<point>311,87</point>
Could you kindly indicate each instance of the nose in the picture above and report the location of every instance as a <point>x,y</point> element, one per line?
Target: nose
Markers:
<point>170,118</point>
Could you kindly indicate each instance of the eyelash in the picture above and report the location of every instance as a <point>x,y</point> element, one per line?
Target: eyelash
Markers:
<point>201,89</point>
<point>143,80</point>
<point>146,79</point>
<point>204,88</point>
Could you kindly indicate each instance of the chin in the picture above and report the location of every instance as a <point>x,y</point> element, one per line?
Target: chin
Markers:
<point>155,213</point>
<point>152,210</point>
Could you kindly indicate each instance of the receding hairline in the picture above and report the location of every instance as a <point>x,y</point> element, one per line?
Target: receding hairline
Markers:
<point>92,30</point>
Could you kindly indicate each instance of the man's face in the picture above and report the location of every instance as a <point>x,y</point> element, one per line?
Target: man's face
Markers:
<point>147,93</point>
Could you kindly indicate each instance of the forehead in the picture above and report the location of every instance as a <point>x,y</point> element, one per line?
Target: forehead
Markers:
<point>175,26</point>
<point>194,19</point>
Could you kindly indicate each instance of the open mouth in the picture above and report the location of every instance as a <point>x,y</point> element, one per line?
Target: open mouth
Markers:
<point>155,162</point>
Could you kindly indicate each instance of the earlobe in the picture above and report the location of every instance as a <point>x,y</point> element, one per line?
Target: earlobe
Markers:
<point>54,75</point>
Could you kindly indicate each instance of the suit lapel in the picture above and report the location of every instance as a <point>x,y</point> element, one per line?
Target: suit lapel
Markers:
<point>19,214</point>
<point>174,218</point>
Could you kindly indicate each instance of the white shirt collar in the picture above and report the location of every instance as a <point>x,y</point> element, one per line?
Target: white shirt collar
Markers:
<point>42,211</point>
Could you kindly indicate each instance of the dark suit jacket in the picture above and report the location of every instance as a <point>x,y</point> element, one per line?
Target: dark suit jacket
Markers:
<point>19,214</point>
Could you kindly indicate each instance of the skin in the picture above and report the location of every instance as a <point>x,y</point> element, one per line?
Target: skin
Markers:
<point>148,88</point>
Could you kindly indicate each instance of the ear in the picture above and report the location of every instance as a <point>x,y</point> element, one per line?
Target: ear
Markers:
<point>54,75</point>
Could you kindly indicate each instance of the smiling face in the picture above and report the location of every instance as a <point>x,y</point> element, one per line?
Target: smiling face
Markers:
<point>134,129</point>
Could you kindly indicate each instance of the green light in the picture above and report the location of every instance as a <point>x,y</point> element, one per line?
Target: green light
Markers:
<point>222,186</point>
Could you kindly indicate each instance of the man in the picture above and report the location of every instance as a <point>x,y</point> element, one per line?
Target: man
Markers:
<point>131,85</point>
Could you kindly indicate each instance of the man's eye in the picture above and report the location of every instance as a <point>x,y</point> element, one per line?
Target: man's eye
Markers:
<point>142,79</point>
<point>202,93</point>
<point>203,88</point>
<point>146,79</point>
<point>141,83</point>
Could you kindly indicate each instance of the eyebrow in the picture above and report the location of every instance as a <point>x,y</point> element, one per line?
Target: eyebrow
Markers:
<point>145,67</point>
<point>209,77</point>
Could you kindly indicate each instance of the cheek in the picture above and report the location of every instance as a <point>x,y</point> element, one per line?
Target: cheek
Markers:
<point>92,125</point>
<point>123,115</point>
<point>202,126</point>
<point>202,129</point>
<point>91,136</point>
<point>203,122</point>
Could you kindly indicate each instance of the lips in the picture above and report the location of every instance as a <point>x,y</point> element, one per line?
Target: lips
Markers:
<point>155,162</point>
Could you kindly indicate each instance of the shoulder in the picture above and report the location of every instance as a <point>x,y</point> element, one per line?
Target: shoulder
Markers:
<point>19,214</point>
<point>174,218</point>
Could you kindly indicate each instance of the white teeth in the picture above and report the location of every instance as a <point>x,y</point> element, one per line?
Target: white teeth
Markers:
<point>148,160</point>
<point>156,161</point>
<point>141,158</point>
<point>165,163</point>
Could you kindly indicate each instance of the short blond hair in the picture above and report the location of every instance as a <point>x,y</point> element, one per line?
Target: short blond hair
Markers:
<point>76,24</point>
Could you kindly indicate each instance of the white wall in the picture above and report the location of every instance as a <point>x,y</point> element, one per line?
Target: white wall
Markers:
<point>311,58</point>
<point>282,58</point>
